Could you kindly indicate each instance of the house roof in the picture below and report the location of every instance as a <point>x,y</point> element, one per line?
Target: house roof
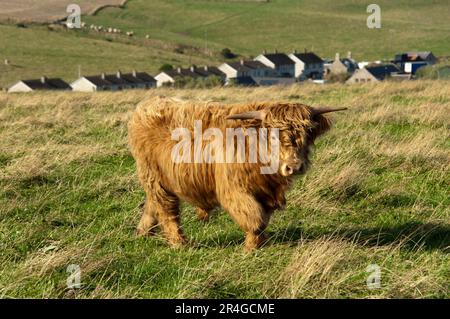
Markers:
<point>113,78</point>
<point>182,72</point>
<point>98,80</point>
<point>308,58</point>
<point>209,71</point>
<point>247,65</point>
<point>145,77</point>
<point>47,84</point>
<point>124,79</point>
<point>413,56</point>
<point>422,54</point>
<point>138,77</point>
<point>381,71</point>
<point>279,59</point>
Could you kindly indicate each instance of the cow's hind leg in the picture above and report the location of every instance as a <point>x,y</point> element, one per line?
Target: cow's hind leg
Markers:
<point>148,222</point>
<point>168,214</point>
<point>250,216</point>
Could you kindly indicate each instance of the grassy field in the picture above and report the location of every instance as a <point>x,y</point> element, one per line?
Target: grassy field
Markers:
<point>206,26</point>
<point>325,26</point>
<point>377,193</point>
<point>37,51</point>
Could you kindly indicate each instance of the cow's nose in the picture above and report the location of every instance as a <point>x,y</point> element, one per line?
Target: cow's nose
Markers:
<point>287,170</point>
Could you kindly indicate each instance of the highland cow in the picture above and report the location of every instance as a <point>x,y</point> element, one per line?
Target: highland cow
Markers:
<point>240,188</point>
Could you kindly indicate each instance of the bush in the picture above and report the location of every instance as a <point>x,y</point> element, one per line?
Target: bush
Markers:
<point>166,67</point>
<point>334,78</point>
<point>437,71</point>
<point>198,83</point>
<point>227,54</point>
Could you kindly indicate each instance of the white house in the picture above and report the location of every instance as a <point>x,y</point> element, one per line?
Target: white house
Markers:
<point>39,84</point>
<point>307,65</point>
<point>244,72</point>
<point>169,77</point>
<point>114,82</point>
<point>250,73</point>
<point>279,63</point>
<point>373,73</point>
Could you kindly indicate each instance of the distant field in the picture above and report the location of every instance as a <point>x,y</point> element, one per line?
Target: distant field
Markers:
<point>325,26</point>
<point>377,193</point>
<point>47,10</point>
<point>206,27</point>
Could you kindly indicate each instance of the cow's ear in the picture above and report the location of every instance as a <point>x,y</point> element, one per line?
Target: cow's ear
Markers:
<point>252,115</point>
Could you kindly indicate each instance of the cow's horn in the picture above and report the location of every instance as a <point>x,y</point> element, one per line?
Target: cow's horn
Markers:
<point>323,110</point>
<point>252,115</point>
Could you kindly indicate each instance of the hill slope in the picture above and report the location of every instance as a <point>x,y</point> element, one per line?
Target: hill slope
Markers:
<point>325,26</point>
<point>205,27</point>
<point>377,193</point>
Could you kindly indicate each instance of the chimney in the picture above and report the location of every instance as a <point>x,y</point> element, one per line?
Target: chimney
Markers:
<point>134,73</point>
<point>192,68</point>
<point>349,55</point>
<point>119,74</point>
<point>179,70</point>
<point>206,68</point>
<point>337,58</point>
<point>242,62</point>
<point>43,79</point>
<point>103,76</point>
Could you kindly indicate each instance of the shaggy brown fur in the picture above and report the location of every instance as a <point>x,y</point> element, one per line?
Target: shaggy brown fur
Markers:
<point>247,195</point>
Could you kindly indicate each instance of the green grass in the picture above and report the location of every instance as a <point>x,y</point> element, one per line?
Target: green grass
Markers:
<point>377,194</point>
<point>202,28</point>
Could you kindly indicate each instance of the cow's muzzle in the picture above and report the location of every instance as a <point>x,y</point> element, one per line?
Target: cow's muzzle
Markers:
<point>288,169</point>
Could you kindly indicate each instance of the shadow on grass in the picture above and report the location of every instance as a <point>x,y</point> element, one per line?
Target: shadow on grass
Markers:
<point>411,235</point>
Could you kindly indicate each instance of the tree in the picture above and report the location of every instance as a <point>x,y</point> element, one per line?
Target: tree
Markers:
<point>227,53</point>
<point>166,67</point>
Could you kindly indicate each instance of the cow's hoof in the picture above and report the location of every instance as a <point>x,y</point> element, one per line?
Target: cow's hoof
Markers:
<point>253,242</point>
<point>202,214</point>
<point>178,242</point>
<point>141,232</point>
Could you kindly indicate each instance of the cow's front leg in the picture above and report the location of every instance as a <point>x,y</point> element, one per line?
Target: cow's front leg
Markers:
<point>148,222</point>
<point>250,216</point>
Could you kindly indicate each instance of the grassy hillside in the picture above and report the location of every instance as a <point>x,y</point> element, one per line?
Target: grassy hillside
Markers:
<point>326,26</point>
<point>207,26</point>
<point>37,51</point>
<point>377,193</point>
